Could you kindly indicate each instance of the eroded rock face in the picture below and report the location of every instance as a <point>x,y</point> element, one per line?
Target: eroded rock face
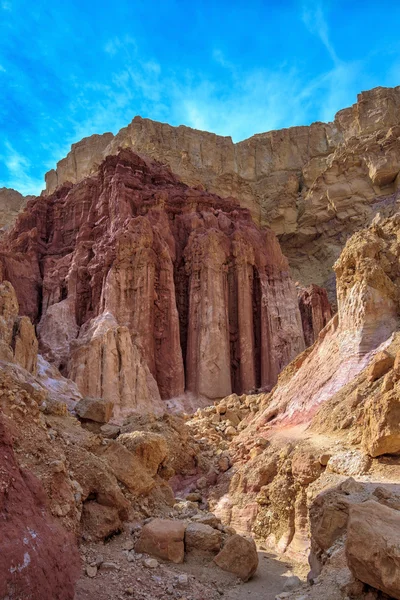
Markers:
<point>144,288</point>
<point>18,340</point>
<point>315,310</point>
<point>11,203</point>
<point>38,559</point>
<point>314,186</point>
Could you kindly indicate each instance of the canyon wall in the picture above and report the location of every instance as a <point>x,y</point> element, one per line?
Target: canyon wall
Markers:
<point>11,203</point>
<point>314,186</point>
<point>143,288</point>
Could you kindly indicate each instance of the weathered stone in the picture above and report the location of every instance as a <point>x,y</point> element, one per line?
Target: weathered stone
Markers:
<point>94,409</point>
<point>381,433</point>
<point>202,537</point>
<point>98,522</point>
<point>380,366</point>
<point>238,556</point>
<point>163,538</point>
<point>372,546</point>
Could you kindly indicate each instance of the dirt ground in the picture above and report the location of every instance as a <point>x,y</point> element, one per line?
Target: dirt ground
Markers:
<point>123,574</point>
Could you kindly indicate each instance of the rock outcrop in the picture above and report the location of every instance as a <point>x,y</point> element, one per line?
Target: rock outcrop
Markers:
<point>315,310</point>
<point>144,288</point>
<point>17,334</point>
<point>314,186</point>
<point>38,559</point>
<point>11,204</point>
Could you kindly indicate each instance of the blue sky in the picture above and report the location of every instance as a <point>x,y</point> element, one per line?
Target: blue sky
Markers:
<point>74,68</point>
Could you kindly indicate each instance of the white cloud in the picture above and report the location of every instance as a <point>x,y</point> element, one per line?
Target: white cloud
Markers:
<point>18,167</point>
<point>314,19</point>
<point>2,69</point>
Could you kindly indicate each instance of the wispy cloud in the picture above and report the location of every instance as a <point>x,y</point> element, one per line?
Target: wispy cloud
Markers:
<point>6,5</point>
<point>314,18</point>
<point>18,167</point>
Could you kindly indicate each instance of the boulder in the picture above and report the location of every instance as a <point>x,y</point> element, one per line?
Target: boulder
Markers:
<point>163,538</point>
<point>202,537</point>
<point>150,448</point>
<point>94,409</point>
<point>381,432</point>
<point>99,522</point>
<point>238,556</point>
<point>372,546</point>
<point>349,462</point>
<point>381,364</point>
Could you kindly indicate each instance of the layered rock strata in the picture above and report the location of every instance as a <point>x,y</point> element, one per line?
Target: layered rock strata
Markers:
<point>314,185</point>
<point>143,288</point>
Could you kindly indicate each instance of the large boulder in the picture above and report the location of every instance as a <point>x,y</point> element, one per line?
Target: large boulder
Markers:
<point>238,556</point>
<point>372,547</point>
<point>150,448</point>
<point>98,521</point>
<point>163,538</point>
<point>202,537</point>
<point>94,409</point>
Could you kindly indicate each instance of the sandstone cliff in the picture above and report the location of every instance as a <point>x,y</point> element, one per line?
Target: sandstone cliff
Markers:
<point>314,186</point>
<point>11,203</point>
<point>144,288</point>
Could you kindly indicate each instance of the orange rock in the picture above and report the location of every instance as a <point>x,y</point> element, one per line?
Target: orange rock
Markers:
<point>372,547</point>
<point>163,538</point>
<point>238,556</point>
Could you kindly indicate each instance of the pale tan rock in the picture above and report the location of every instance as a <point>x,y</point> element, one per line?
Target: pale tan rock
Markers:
<point>150,448</point>
<point>381,432</point>
<point>94,409</point>
<point>372,547</point>
<point>127,468</point>
<point>11,203</point>
<point>106,363</point>
<point>18,340</point>
<point>163,538</point>
<point>348,462</point>
<point>199,536</point>
<point>313,185</point>
<point>238,556</point>
<point>381,364</point>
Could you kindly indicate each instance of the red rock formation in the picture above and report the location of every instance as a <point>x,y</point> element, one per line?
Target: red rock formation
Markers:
<point>38,559</point>
<point>132,257</point>
<point>315,310</point>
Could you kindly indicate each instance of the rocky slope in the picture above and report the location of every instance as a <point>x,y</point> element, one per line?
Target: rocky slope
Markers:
<point>314,186</point>
<point>144,288</point>
<point>334,414</point>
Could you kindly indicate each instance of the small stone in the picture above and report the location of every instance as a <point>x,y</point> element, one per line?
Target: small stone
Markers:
<point>183,580</point>
<point>109,566</point>
<point>129,591</point>
<point>91,570</point>
<point>128,545</point>
<point>194,497</point>
<point>150,563</point>
<point>324,458</point>
<point>291,583</point>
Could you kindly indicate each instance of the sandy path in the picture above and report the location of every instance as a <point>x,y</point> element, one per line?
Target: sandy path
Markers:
<point>267,583</point>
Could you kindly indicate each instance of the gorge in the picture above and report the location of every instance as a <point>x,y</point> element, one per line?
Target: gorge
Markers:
<point>175,384</point>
